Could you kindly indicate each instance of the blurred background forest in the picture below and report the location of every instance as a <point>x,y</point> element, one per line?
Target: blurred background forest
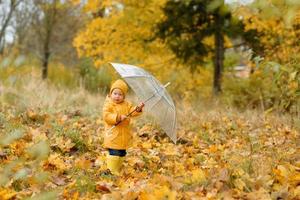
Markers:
<point>234,68</point>
<point>243,53</point>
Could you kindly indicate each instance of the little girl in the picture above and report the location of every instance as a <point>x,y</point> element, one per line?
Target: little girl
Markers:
<point>115,111</point>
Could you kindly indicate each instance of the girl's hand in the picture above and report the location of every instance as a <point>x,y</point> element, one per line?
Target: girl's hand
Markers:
<point>123,117</point>
<point>139,108</point>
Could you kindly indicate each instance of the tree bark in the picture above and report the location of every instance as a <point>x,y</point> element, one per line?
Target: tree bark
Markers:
<point>45,65</point>
<point>2,43</point>
<point>46,52</point>
<point>50,21</point>
<point>219,56</point>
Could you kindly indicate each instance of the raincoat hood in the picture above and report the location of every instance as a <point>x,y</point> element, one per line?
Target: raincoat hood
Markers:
<point>120,84</point>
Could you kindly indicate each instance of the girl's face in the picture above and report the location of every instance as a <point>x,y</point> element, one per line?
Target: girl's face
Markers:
<point>117,96</point>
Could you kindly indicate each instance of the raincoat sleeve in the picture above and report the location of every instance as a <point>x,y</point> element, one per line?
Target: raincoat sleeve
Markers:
<point>109,116</point>
<point>135,113</point>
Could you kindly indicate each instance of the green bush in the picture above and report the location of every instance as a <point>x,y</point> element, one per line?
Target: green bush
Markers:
<point>93,79</point>
<point>61,75</point>
<point>270,87</point>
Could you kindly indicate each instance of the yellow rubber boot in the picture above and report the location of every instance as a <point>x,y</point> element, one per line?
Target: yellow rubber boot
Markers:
<point>114,164</point>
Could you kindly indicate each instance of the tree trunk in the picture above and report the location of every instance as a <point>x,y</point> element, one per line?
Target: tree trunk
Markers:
<point>50,20</point>
<point>46,53</point>
<point>45,65</point>
<point>2,43</point>
<point>219,57</point>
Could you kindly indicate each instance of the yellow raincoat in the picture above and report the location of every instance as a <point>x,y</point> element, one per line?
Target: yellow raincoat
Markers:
<point>120,137</point>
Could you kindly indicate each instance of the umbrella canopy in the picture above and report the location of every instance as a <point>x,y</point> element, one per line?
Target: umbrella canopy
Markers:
<point>153,94</point>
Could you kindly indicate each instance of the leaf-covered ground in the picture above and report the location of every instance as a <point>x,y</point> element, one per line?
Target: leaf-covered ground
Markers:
<point>48,153</point>
<point>229,157</point>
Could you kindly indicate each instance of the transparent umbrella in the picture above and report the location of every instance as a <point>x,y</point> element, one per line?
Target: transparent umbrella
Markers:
<point>153,94</point>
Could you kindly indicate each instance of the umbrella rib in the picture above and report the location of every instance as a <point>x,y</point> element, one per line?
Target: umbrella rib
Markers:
<point>174,122</point>
<point>165,113</point>
<point>143,96</point>
<point>135,76</point>
<point>170,104</point>
<point>169,131</point>
<point>154,83</point>
<point>163,90</point>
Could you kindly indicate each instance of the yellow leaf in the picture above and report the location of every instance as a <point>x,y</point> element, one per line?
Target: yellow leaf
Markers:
<point>32,115</point>
<point>131,195</point>
<point>37,135</point>
<point>260,194</point>
<point>18,147</point>
<point>295,178</point>
<point>99,122</point>
<point>147,145</point>
<point>6,194</point>
<point>239,171</point>
<point>83,163</point>
<point>56,160</point>
<point>213,149</point>
<point>296,192</point>
<point>282,173</point>
<point>145,196</point>
<point>171,151</point>
<point>65,144</point>
<point>157,193</point>
<point>100,161</point>
<point>112,196</point>
<point>197,176</point>
<point>75,195</point>
<point>239,184</point>
<point>164,193</point>
<point>63,119</point>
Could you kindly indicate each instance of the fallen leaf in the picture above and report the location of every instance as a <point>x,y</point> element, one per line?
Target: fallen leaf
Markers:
<point>7,194</point>
<point>59,180</point>
<point>102,188</point>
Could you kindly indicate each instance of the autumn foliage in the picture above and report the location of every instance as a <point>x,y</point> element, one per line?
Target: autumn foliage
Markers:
<point>242,145</point>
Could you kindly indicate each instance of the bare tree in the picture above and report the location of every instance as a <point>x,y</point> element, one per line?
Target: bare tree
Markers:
<point>21,23</point>
<point>44,25</point>
<point>7,7</point>
<point>51,31</point>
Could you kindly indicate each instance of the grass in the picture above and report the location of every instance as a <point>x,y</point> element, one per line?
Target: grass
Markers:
<point>33,93</point>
